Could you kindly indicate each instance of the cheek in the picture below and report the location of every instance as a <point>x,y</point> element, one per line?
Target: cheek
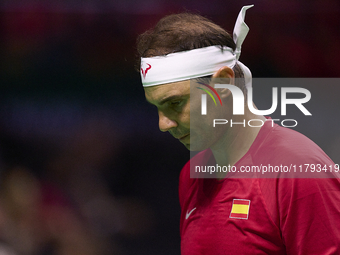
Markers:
<point>184,117</point>
<point>203,136</point>
<point>203,125</point>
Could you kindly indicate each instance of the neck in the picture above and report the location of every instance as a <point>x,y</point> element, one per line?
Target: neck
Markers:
<point>235,142</point>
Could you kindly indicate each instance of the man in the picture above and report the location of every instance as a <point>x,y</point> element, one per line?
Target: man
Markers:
<point>229,214</point>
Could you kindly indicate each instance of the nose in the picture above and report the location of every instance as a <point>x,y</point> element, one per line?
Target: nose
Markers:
<point>165,123</point>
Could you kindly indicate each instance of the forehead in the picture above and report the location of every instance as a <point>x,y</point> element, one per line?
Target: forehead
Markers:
<point>159,93</point>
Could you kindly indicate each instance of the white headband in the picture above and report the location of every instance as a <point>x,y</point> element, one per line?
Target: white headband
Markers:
<point>196,63</point>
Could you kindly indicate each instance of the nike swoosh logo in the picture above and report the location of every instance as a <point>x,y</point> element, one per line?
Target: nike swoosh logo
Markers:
<point>188,213</point>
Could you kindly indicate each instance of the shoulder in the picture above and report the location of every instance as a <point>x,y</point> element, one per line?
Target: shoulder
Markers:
<point>310,209</point>
<point>284,145</point>
<point>284,138</point>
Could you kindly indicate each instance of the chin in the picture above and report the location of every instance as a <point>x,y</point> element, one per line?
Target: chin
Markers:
<point>196,147</point>
<point>198,143</point>
<point>187,146</point>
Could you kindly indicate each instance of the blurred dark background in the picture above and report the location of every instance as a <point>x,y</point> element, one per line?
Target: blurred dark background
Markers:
<point>84,168</point>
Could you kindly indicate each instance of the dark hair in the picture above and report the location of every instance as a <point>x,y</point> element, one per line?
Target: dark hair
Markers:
<point>182,32</point>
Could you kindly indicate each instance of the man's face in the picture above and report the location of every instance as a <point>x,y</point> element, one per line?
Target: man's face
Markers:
<point>175,105</point>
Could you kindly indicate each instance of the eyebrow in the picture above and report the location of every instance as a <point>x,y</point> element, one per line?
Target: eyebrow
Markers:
<point>167,98</point>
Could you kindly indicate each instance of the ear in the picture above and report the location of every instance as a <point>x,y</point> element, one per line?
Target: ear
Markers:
<point>224,72</point>
<point>228,74</point>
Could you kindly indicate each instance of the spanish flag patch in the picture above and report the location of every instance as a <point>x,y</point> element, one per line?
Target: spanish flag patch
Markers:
<point>240,209</point>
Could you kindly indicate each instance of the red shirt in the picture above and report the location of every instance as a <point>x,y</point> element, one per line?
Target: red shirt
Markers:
<point>262,215</point>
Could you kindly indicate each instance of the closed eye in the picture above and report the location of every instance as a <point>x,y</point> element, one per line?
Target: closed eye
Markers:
<point>175,103</point>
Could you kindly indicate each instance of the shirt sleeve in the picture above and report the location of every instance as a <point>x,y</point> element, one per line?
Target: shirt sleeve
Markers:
<point>310,215</point>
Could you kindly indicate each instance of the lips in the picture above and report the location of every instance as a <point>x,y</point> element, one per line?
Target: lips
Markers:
<point>178,135</point>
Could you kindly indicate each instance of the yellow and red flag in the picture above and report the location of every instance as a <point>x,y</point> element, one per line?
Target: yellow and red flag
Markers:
<point>240,209</point>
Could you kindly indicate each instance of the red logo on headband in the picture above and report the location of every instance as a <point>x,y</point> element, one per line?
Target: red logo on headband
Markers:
<point>146,70</point>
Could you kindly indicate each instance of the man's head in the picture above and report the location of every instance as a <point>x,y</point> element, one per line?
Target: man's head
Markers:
<point>184,32</point>
<point>189,34</point>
